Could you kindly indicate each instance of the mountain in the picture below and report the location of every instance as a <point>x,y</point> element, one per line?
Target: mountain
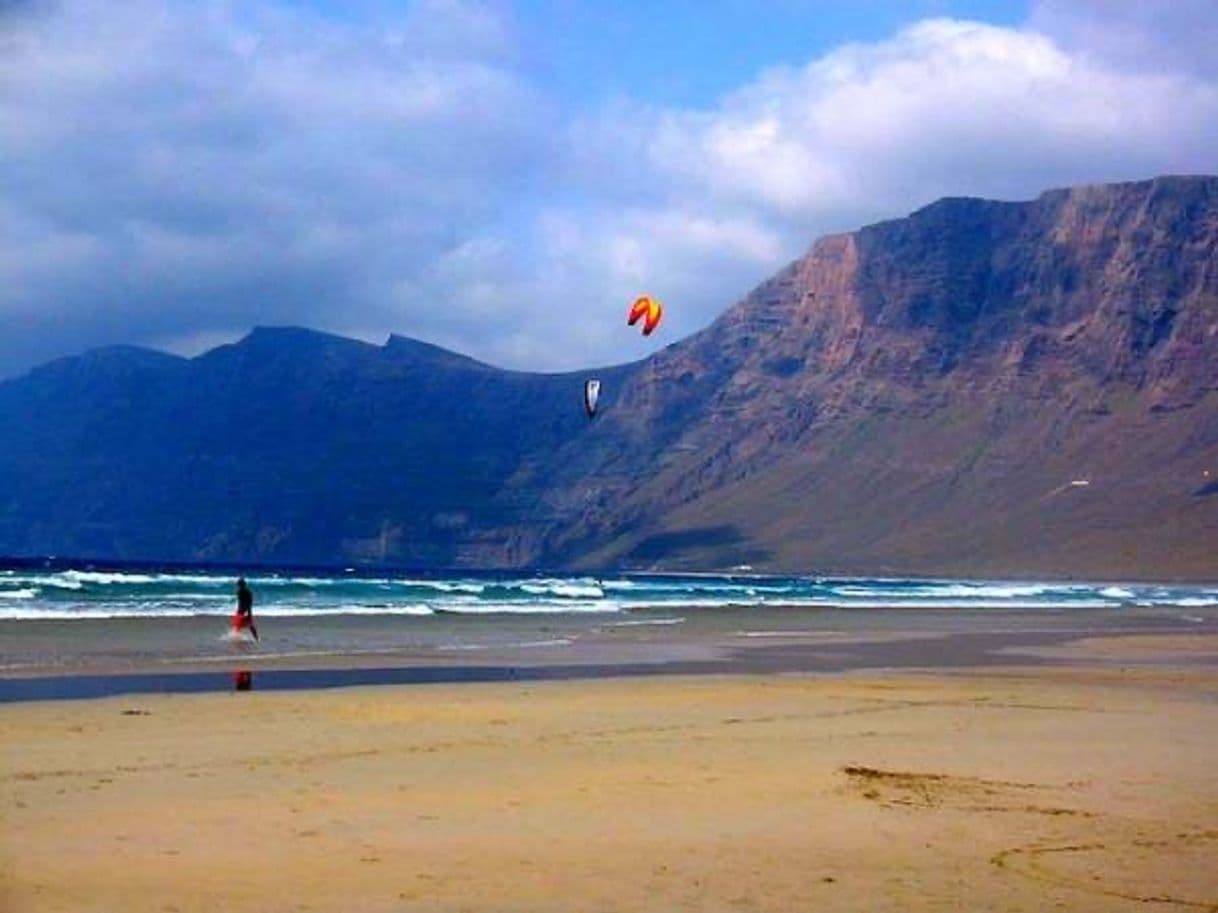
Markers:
<point>982,388</point>
<point>289,445</point>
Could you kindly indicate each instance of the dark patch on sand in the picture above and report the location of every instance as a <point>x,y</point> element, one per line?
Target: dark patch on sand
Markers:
<point>926,790</point>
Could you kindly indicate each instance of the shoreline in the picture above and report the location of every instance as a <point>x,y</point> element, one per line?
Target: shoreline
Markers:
<point>776,653</point>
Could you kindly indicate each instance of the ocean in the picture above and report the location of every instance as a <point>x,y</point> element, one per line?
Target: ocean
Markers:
<point>64,619</point>
<point>30,593</point>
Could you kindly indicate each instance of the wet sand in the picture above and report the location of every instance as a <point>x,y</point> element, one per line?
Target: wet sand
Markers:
<point>78,659</point>
<point>1084,782</point>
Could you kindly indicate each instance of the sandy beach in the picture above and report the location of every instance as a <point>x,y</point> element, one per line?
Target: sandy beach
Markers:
<point>1076,786</point>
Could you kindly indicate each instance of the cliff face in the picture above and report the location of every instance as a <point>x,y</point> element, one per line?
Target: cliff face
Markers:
<point>980,388</point>
<point>921,395</point>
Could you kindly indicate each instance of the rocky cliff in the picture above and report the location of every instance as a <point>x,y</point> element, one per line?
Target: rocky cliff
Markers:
<point>981,388</point>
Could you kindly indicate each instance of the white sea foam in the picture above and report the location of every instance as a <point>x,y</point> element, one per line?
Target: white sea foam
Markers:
<point>704,586</point>
<point>575,590</point>
<point>60,613</point>
<point>86,611</point>
<point>106,611</point>
<point>199,579</point>
<point>739,601</point>
<point>104,579</point>
<point>461,586</point>
<point>277,581</point>
<point>529,607</point>
<point>618,584</point>
<point>103,611</point>
<point>299,611</point>
<point>894,603</point>
<point>921,591</point>
<point>55,581</point>
<point>80,594</point>
<point>638,623</point>
<point>987,604</point>
<point>79,580</point>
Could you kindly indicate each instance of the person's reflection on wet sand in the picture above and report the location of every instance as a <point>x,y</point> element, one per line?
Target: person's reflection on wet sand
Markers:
<point>243,680</point>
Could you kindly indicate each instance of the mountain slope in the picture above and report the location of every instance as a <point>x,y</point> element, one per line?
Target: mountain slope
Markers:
<point>926,395</point>
<point>918,396</point>
<point>287,446</point>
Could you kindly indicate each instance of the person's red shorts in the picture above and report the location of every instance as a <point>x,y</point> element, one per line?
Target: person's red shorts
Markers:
<point>240,622</point>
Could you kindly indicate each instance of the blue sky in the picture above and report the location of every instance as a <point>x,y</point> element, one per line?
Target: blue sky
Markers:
<point>683,52</point>
<point>692,52</point>
<point>502,178</point>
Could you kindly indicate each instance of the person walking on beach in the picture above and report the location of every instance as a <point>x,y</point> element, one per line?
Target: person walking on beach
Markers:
<point>244,617</point>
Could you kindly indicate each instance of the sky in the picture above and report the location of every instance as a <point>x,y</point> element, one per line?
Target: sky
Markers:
<point>503,178</point>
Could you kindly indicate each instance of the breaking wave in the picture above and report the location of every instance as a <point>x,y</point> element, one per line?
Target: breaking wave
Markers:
<point>42,594</point>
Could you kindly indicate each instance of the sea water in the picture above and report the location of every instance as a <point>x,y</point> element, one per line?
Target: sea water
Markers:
<point>76,593</point>
<point>63,615</point>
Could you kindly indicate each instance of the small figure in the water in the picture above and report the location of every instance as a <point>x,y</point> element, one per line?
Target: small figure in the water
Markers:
<point>244,616</point>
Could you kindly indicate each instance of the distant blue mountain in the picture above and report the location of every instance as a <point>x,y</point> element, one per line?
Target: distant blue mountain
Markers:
<point>288,445</point>
<point>982,388</point>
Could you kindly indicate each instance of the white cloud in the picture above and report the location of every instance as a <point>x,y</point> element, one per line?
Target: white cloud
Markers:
<point>1144,35</point>
<point>943,108</point>
<point>184,170</point>
<point>178,172</point>
<point>869,131</point>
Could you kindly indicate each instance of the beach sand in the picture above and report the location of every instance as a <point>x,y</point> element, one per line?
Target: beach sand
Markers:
<point>1067,787</point>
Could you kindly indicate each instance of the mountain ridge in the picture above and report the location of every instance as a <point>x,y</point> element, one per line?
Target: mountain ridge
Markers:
<point>866,349</point>
<point>914,397</point>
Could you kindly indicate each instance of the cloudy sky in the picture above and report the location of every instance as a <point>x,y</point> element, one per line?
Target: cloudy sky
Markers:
<point>502,178</point>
